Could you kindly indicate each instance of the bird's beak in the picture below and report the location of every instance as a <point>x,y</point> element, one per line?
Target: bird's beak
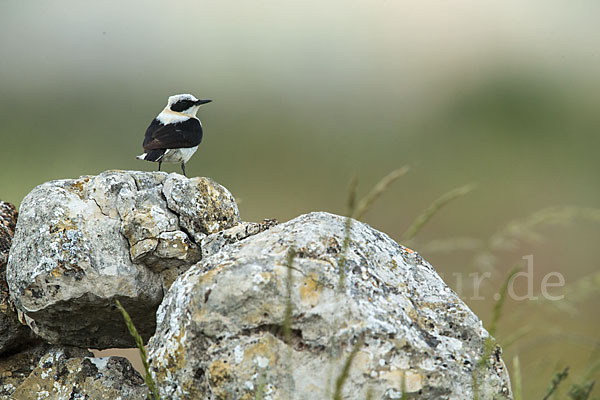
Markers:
<point>200,102</point>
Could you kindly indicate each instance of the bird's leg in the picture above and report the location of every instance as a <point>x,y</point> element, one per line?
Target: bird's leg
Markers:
<point>183,168</point>
<point>160,162</point>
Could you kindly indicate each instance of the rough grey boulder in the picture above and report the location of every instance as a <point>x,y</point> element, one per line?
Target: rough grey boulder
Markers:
<point>220,329</point>
<point>71,373</point>
<point>13,335</point>
<point>81,244</point>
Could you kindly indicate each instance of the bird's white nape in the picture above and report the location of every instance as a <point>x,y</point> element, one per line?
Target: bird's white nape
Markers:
<point>168,116</point>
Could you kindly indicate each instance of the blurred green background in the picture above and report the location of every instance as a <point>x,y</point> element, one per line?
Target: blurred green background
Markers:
<point>505,95</point>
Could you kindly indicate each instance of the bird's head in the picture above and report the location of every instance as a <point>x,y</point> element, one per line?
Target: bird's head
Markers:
<point>185,103</point>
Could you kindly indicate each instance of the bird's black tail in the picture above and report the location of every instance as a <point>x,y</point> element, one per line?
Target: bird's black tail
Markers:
<point>155,155</point>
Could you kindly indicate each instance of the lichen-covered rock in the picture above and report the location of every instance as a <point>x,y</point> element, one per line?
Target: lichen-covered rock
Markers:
<point>203,206</point>
<point>8,220</point>
<point>81,244</point>
<point>13,334</point>
<point>15,367</point>
<point>220,329</point>
<point>64,374</point>
<point>213,243</point>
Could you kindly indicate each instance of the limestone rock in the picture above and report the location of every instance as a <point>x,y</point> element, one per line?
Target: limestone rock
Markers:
<point>8,220</point>
<point>13,335</point>
<point>203,206</point>
<point>16,367</point>
<point>75,374</point>
<point>220,328</point>
<point>215,242</point>
<point>81,244</point>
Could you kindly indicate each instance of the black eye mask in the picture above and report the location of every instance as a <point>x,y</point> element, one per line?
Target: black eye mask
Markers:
<point>182,105</point>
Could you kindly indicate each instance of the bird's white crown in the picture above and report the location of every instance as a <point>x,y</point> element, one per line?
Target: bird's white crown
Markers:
<point>175,98</point>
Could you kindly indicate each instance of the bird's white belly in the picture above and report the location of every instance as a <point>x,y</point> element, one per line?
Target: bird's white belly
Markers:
<point>179,155</point>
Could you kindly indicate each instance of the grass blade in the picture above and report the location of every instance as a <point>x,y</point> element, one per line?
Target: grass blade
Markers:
<point>404,393</point>
<point>430,211</point>
<point>260,388</point>
<point>517,390</point>
<point>140,345</point>
<point>287,320</point>
<point>527,229</point>
<point>351,204</point>
<point>499,304</point>
<point>556,381</point>
<point>341,379</point>
<point>581,391</point>
<point>490,343</point>
<point>381,187</point>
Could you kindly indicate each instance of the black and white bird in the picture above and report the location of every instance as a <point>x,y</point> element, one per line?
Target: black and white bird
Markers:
<point>174,135</point>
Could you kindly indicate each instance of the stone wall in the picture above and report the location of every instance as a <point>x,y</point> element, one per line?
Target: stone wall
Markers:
<point>211,294</point>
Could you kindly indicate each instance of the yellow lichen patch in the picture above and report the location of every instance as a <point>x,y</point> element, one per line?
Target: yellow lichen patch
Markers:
<point>179,356</point>
<point>219,372</point>
<point>208,276</point>
<point>410,251</point>
<point>57,272</point>
<point>266,276</point>
<point>78,186</point>
<point>174,360</point>
<point>310,289</point>
<point>262,353</point>
<point>413,382</point>
<point>63,225</point>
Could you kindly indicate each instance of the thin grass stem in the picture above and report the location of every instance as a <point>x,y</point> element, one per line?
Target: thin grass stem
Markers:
<point>341,379</point>
<point>350,207</point>
<point>517,387</point>
<point>287,320</point>
<point>381,187</point>
<point>140,345</point>
<point>430,211</point>
<point>499,304</point>
<point>260,387</point>
<point>289,307</point>
<point>557,379</point>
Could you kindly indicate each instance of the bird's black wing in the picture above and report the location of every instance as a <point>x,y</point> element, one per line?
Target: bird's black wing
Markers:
<point>173,136</point>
